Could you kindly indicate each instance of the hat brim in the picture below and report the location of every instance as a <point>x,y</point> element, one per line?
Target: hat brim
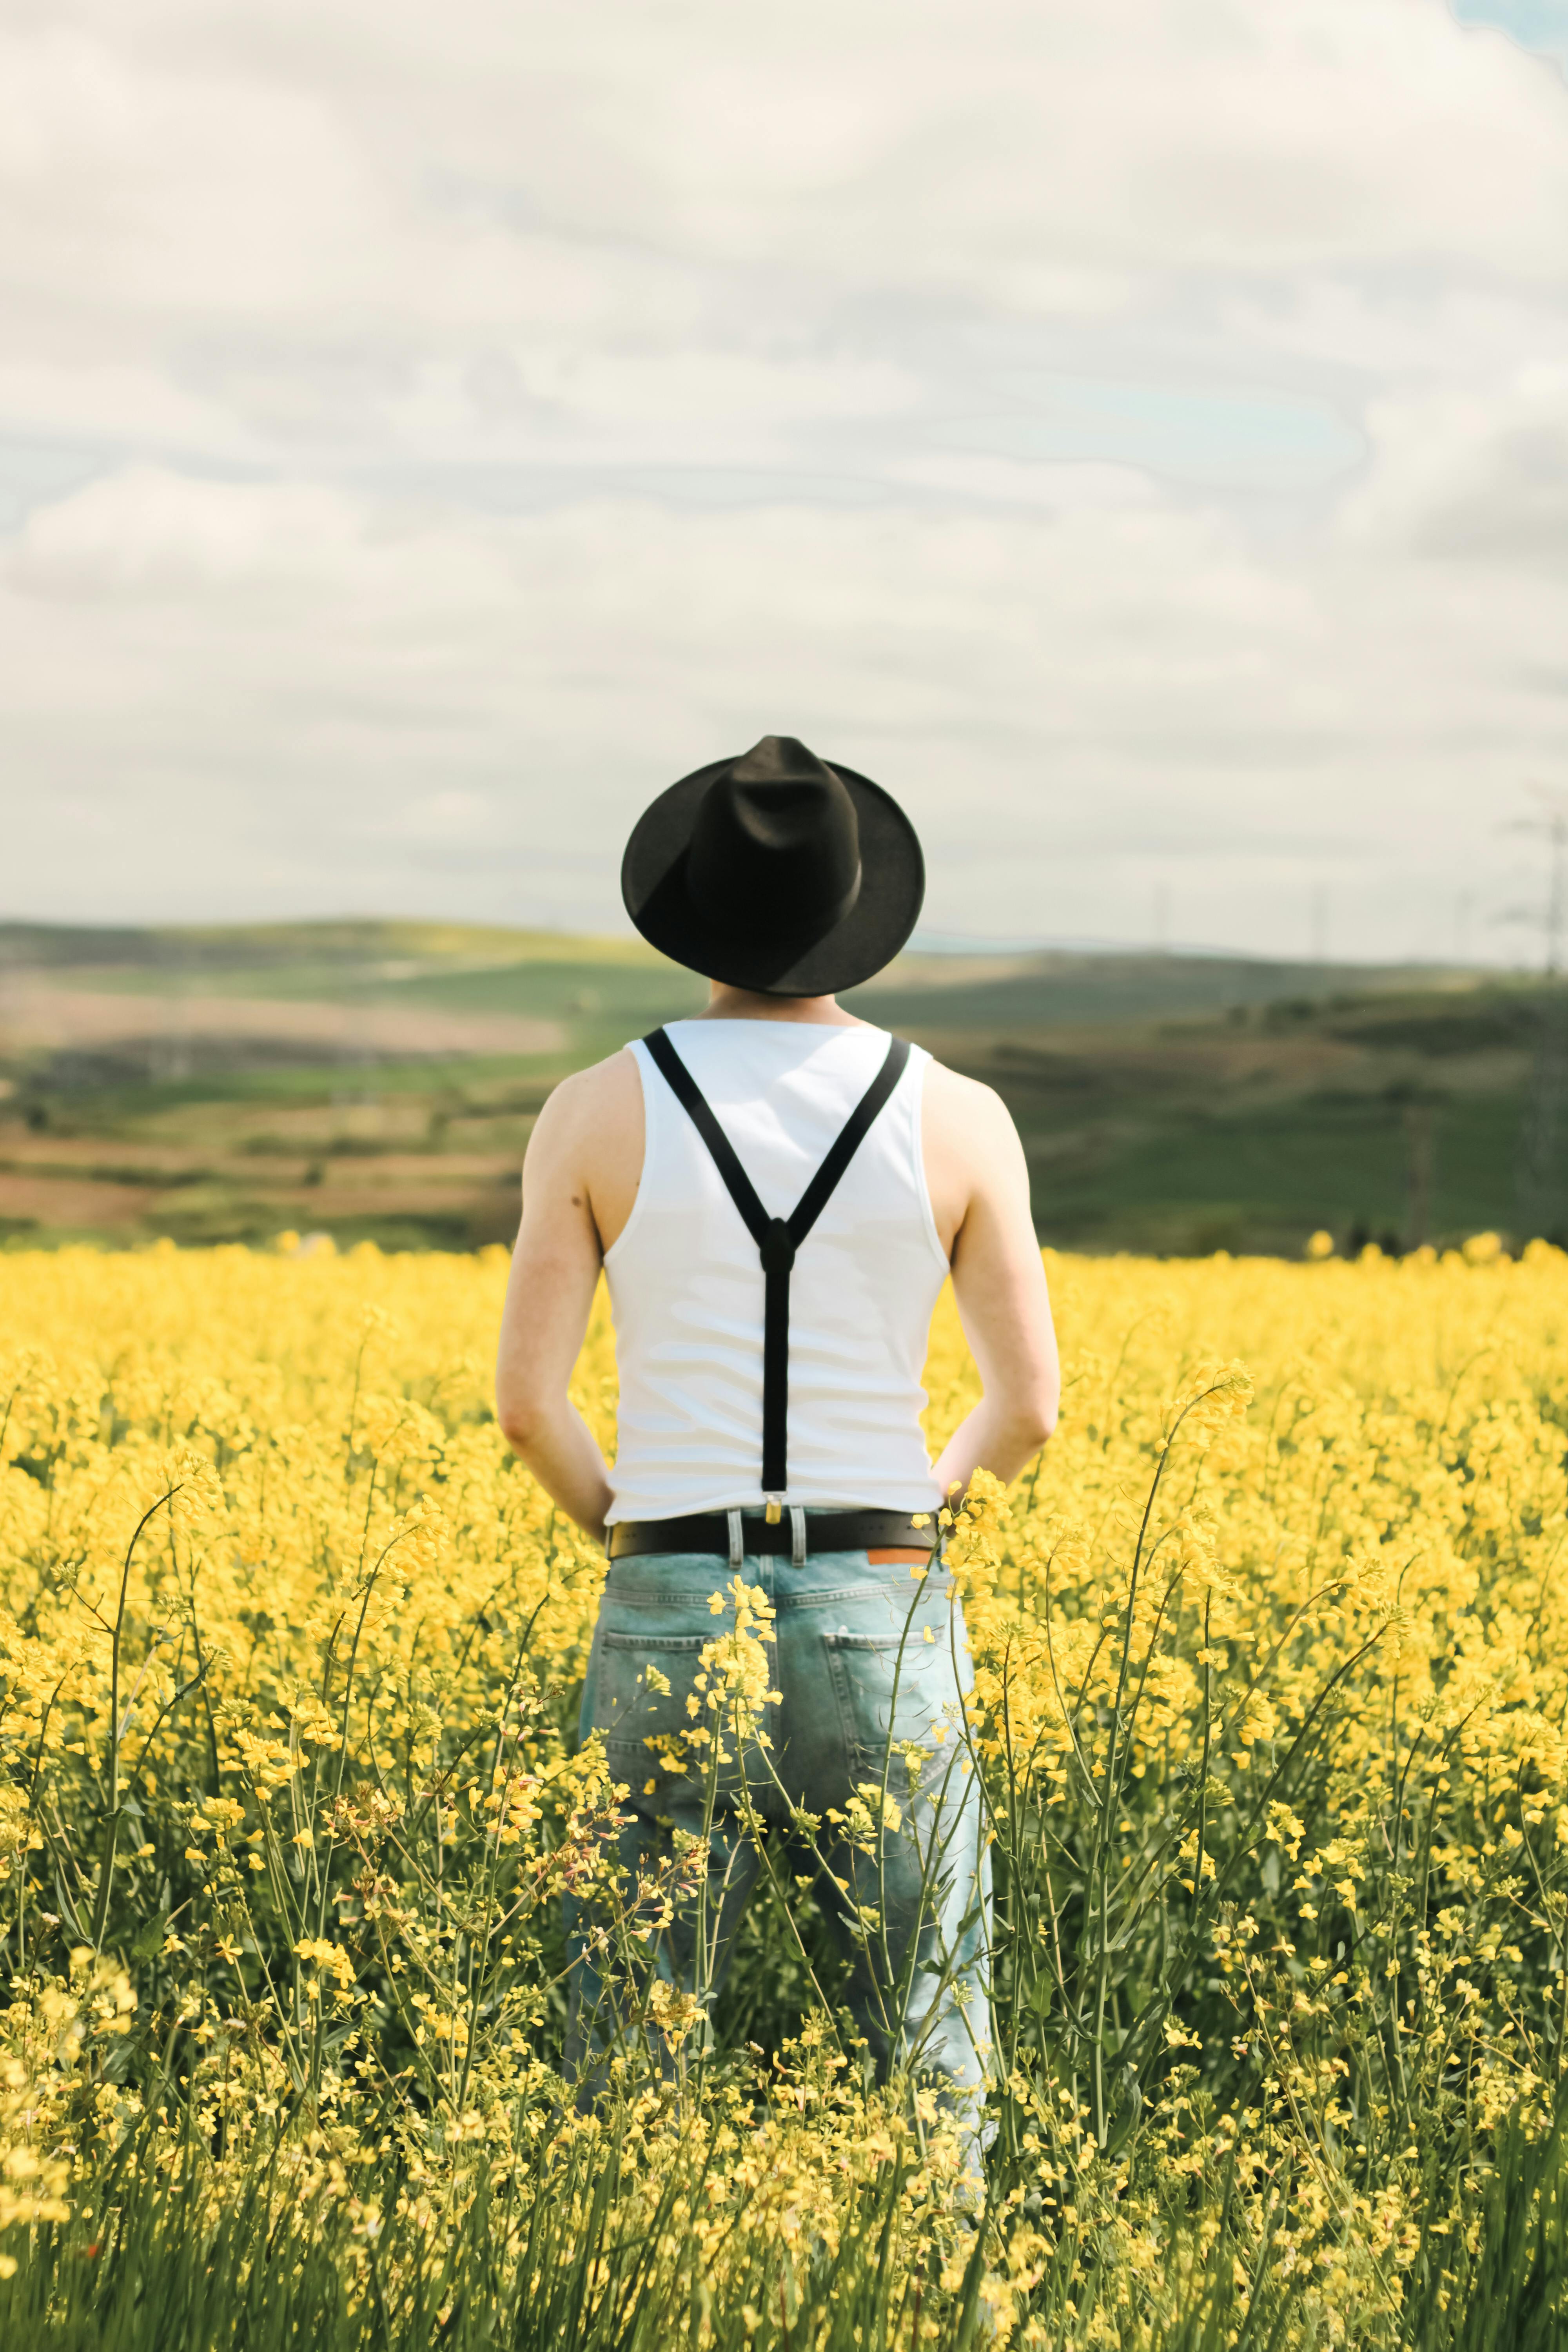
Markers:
<point>892,887</point>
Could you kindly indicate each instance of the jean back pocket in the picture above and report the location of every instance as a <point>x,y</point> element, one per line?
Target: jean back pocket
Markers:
<point>668,1718</point>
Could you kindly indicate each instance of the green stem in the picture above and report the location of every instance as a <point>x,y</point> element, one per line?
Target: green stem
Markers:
<point>111,1835</point>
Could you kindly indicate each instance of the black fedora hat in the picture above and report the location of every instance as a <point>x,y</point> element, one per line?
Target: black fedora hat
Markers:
<point>775,872</point>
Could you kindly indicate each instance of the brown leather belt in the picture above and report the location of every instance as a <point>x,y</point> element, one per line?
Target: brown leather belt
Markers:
<point>709,1531</point>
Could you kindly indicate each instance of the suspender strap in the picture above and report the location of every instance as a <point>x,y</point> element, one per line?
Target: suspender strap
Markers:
<point>777,1238</point>
<point>696,1106</point>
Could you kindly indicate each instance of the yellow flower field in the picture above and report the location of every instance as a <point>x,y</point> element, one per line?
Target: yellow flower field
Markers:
<point>1271,1687</point>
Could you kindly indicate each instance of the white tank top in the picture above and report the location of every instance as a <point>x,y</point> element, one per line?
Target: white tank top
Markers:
<point>686,1281</point>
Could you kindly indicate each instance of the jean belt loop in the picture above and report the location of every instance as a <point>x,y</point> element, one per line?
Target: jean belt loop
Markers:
<point>736,1553</point>
<point>796,1536</point>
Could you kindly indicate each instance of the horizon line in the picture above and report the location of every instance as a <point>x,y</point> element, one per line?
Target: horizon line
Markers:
<point>921,942</point>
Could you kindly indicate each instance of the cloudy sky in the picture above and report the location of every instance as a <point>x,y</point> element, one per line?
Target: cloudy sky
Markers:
<point>1136,431</point>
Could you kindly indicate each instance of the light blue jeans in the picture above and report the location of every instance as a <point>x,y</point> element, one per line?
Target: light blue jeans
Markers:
<point>871,1668</point>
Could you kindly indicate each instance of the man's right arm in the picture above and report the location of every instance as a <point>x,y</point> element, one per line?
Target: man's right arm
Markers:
<point>998,1279</point>
<point>554,1269</point>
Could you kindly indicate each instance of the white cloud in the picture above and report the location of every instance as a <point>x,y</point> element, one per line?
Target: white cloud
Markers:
<point>1478,478</point>
<point>1072,702</point>
<point>1133,428</point>
<point>147,533</point>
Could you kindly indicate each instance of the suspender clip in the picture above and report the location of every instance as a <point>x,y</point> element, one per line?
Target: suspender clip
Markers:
<point>774,1511</point>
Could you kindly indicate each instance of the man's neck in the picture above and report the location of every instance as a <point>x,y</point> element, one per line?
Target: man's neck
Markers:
<point>749,1004</point>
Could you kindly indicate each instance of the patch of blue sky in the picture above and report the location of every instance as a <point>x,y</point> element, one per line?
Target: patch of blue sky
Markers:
<point>1540,25</point>
<point>1228,439</point>
<point>33,473</point>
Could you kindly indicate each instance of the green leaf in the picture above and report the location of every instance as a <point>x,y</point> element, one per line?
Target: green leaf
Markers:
<point>149,1943</point>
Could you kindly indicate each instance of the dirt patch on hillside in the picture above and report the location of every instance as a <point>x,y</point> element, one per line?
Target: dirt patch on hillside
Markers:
<point>66,1018</point>
<point>69,1201</point>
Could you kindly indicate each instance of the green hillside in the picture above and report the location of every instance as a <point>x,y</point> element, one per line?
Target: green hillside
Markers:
<point>1059,988</point>
<point>1168,1102</point>
<point>349,945</point>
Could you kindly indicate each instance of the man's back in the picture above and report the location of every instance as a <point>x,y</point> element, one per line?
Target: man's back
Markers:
<point>689,1291</point>
<point>585,1169</point>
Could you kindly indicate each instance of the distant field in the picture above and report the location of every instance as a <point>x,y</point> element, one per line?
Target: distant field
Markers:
<point>378,1080</point>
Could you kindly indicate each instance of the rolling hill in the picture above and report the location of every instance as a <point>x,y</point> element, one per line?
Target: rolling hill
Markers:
<point>378,1080</point>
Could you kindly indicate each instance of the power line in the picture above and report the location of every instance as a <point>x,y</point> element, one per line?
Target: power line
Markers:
<point>1539,1167</point>
<point>1551,825</point>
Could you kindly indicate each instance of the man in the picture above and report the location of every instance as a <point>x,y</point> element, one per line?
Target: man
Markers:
<point>776,1191</point>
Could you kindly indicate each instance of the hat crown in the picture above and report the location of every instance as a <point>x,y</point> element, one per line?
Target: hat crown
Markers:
<point>776,846</point>
<point>776,873</point>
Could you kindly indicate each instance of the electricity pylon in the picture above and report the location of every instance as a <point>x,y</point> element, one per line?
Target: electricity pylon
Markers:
<point>1539,1168</point>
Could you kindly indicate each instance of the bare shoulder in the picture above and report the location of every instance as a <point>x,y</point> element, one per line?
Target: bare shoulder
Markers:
<point>587,1142</point>
<point>970,1146</point>
<point>969,1124</point>
<point>958,1100</point>
<point>591,1103</point>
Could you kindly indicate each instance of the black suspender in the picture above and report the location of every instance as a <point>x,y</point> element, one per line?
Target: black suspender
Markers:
<point>777,1238</point>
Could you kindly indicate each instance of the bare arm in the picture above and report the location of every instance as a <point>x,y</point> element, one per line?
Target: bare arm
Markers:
<point>981,1179</point>
<point>555,1270</point>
